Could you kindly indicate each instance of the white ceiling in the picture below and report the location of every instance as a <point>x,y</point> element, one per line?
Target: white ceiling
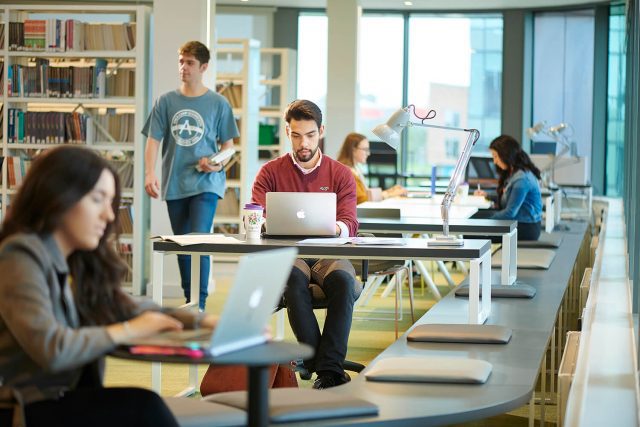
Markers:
<point>420,4</point>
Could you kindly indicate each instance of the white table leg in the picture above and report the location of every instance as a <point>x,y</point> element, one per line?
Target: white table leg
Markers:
<point>195,304</point>
<point>156,294</point>
<point>508,272</point>
<point>480,275</point>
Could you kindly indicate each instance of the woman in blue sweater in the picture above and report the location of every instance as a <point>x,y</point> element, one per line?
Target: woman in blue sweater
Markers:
<point>518,188</point>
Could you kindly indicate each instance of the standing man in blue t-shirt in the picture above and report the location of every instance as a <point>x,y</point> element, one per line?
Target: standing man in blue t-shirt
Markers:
<point>190,122</point>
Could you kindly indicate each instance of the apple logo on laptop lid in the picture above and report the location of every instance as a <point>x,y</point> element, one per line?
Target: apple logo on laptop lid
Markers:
<point>300,214</point>
<point>255,298</point>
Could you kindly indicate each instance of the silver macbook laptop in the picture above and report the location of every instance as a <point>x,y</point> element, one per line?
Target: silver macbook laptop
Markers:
<point>301,214</point>
<point>255,292</point>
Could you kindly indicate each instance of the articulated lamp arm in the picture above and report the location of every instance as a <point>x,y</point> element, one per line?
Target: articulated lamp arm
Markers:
<point>458,173</point>
<point>390,132</point>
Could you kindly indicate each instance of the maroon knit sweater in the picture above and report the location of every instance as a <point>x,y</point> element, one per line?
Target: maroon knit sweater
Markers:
<point>331,176</point>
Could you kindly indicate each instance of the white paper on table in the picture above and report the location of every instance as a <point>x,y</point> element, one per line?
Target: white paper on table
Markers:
<point>326,241</point>
<point>394,241</point>
<point>197,239</point>
<point>355,241</point>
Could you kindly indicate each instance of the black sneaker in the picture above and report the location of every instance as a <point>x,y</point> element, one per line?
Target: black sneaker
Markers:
<point>330,380</point>
<point>298,366</point>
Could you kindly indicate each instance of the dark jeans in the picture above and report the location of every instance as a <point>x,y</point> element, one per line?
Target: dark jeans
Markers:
<point>98,407</point>
<point>529,230</point>
<point>193,215</point>
<point>330,346</point>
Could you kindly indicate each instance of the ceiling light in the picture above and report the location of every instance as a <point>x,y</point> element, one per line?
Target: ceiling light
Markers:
<point>408,3</point>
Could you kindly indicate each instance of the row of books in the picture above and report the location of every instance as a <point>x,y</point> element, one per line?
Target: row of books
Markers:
<point>54,127</point>
<point>233,93</point>
<point>51,127</point>
<point>126,252</point>
<point>121,127</point>
<point>43,80</point>
<point>124,167</point>
<point>18,166</point>
<point>125,218</point>
<point>57,35</point>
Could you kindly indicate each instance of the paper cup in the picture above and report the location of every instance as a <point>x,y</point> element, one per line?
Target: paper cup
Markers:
<point>252,217</point>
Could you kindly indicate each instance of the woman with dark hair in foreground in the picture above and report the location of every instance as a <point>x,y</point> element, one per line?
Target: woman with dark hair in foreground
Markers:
<point>62,308</point>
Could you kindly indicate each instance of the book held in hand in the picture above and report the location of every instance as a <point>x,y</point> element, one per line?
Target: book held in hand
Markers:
<point>219,157</point>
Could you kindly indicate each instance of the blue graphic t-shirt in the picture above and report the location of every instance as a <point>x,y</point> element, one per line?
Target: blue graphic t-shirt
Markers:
<point>190,128</point>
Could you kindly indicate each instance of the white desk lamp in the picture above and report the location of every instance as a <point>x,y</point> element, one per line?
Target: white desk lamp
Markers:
<point>390,132</point>
<point>559,134</point>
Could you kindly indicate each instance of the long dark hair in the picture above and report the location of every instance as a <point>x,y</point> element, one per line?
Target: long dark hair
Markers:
<point>512,155</point>
<point>349,145</point>
<point>56,181</point>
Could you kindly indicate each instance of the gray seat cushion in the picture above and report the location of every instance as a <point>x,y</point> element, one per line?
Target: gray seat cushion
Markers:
<point>430,370</point>
<point>538,259</point>
<point>517,290</point>
<point>191,412</point>
<point>546,240</point>
<point>298,404</point>
<point>465,333</point>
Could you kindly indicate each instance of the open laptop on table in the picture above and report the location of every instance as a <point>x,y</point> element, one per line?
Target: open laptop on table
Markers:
<point>301,214</point>
<point>251,301</point>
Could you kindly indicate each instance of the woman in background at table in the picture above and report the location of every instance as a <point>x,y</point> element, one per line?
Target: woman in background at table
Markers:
<point>355,150</point>
<point>518,188</point>
<point>62,308</point>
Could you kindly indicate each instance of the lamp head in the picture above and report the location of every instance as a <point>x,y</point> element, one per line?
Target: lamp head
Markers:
<point>390,131</point>
<point>558,128</point>
<point>536,129</point>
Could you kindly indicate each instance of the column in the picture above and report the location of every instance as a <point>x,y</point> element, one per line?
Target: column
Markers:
<point>342,73</point>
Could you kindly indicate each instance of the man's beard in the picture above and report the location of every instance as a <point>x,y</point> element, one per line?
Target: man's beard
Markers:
<point>307,157</point>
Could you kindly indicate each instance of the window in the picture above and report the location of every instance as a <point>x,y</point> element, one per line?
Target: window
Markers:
<point>455,68</point>
<point>563,73</point>
<point>615,102</point>
<point>312,58</point>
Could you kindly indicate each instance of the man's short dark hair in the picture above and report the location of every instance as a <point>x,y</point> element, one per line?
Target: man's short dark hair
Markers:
<point>302,109</point>
<point>197,50</point>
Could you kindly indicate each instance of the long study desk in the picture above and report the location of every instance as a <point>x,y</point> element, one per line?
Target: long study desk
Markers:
<point>480,227</point>
<point>515,365</point>
<point>478,252</point>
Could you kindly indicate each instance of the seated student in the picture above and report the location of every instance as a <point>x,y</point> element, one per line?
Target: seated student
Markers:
<point>354,152</point>
<point>62,308</point>
<point>518,188</point>
<point>306,169</point>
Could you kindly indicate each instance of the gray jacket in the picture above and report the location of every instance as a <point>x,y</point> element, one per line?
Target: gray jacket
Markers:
<point>43,349</point>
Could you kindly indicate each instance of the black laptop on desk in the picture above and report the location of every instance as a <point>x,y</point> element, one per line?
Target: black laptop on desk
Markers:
<point>481,171</point>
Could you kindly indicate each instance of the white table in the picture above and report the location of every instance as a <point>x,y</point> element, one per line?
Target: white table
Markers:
<point>477,252</point>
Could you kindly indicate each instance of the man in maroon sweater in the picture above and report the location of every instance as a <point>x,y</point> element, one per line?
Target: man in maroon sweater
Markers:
<point>306,169</point>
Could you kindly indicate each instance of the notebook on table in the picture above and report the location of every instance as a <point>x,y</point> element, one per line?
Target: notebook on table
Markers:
<point>301,214</point>
<point>246,313</point>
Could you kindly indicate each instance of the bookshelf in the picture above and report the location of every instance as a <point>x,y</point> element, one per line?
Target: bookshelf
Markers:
<point>73,74</point>
<point>279,82</point>
<point>238,66</point>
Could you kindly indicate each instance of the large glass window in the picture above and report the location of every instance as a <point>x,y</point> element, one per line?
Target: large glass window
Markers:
<point>615,102</point>
<point>563,74</point>
<point>380,69</point>
<point>312,58</point>
<point>455,68</point>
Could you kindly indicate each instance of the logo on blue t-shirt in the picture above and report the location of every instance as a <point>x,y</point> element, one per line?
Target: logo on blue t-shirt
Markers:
<point>187,127</point>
